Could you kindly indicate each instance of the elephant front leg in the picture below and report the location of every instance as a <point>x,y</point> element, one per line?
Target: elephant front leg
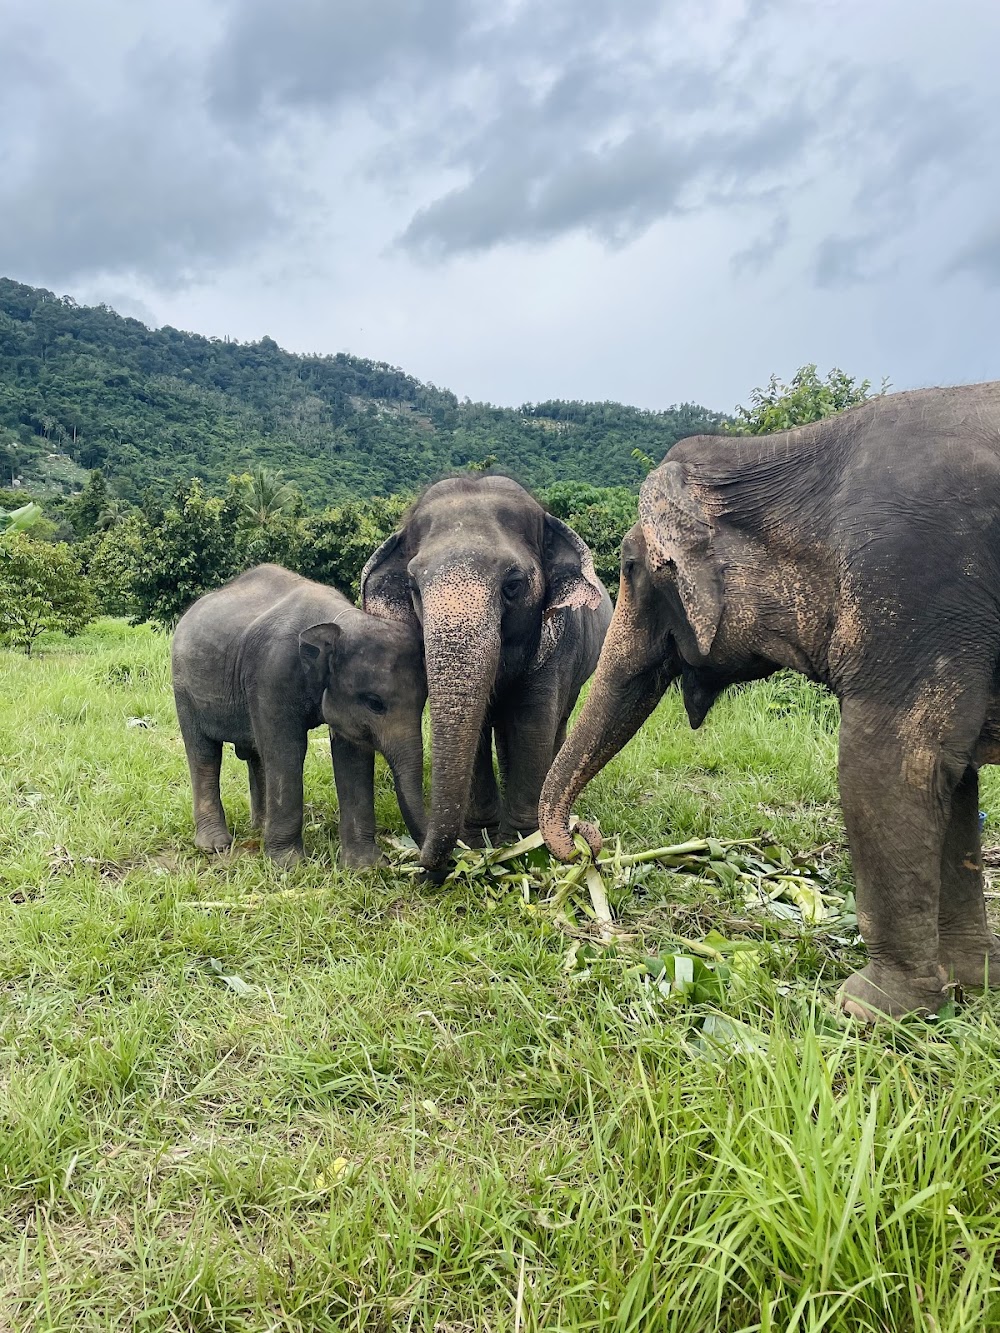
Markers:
<point>354,774</point>
<point>968,949</point>
<point>484,799</point>
<point>896,801</point>
<point>282,768</point>
<point>526,742</point>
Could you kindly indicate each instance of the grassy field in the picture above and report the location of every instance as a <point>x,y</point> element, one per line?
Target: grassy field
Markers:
<point>415,1113</point>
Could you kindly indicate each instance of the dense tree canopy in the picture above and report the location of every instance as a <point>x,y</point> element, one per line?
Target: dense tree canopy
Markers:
<point>83,388</point>
<point>207,457</point>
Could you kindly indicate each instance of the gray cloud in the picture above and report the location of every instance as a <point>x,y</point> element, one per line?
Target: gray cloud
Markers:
<point>844,261</point>
<point>301,54</point>
<point>615,192</point>
<point>241,164</point>
<point>980,258</point>
<point>756,256</point>
<point>120,170</point>
<point>113,192</point>
<point>611,147</point>
<point>538,119</point>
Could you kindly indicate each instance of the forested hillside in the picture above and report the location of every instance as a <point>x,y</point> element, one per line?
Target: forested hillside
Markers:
<point>82,387</point>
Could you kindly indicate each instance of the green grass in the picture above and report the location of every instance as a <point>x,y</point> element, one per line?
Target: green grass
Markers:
<point>418,1118</point>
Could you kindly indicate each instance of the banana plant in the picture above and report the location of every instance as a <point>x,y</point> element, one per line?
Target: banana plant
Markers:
<point>16,520</point>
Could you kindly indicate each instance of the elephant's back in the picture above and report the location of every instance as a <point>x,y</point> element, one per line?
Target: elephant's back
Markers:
<point>304,604</point>
<point>210,641</point>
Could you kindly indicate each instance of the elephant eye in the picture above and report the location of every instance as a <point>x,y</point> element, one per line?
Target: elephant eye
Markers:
<point>628,566</point>
<point>373,703</point>
<point>513,584</point>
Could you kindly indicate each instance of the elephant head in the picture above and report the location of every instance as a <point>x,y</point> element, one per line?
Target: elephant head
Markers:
<point>672,601</point>
<point>367,675</point>
<point>479,567</point>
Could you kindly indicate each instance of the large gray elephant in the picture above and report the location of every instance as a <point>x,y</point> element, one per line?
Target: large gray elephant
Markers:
<point>864,552</point>
<point>264,659</point>
<point>513,618</point>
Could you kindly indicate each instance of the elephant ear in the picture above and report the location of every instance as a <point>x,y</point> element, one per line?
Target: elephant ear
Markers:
<point>317,648</point>
<point>679,532</point>
<point>385,583</point>
<point>570,578</point>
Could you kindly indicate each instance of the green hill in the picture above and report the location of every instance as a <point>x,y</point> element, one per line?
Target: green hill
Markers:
<point>82,387</point>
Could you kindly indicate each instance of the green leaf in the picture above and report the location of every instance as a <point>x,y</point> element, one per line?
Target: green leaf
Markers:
<point>235,983</point>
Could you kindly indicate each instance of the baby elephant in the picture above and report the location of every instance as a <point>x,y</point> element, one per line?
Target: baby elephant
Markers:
<point>261,661</point>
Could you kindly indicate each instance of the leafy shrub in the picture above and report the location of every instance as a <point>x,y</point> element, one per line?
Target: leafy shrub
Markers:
<point>601,515</point>
<point>41,588</point>
<point>806,398</point>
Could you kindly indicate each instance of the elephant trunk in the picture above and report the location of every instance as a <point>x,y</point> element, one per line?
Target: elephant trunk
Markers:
<point>621,697</point>
<point>462,650</point>
<point>406,761</point>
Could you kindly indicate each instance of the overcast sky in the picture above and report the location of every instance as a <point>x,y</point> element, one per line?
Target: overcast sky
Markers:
<point>646,200</point>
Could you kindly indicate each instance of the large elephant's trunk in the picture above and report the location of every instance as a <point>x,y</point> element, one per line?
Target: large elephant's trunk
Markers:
<point>621,697</point>
<point>406,760</point>
<point>462,649</point>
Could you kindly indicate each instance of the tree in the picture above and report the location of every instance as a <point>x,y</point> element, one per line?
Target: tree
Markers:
<point>482,464</point>
<point>806,398</point>
<point>41,588</point>
<point>601,515</point>
<point>115,561</point>
<point>336,544</point>
<point>264,496</point>
<point>95,508</point>
<point>191,550</point>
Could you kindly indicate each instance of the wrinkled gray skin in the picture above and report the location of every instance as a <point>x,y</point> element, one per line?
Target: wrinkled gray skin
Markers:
<point>265,659</point>
<point>864,552</point>
<point>513,617</point>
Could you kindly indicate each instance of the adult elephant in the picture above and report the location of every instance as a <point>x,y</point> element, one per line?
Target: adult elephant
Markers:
<point>864,552</point>
<point>513,618</point>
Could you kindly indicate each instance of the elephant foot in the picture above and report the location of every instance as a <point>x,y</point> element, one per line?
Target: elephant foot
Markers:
<point>285,858</point>
<point>881,992</point>
<point>213,840</point>
<point>518,829</point>
<point>971,960</point>
<point>363,857</point>
<point>475,834</point>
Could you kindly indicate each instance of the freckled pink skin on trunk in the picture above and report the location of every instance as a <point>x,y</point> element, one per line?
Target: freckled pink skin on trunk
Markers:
<point>462,653</point>
<point>604,726</point>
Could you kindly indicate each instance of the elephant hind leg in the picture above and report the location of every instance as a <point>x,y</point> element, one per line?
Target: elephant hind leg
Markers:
<point>968,949</point>
<point>258,790</point>
<point>258,784</point>
<point>204,757</point>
